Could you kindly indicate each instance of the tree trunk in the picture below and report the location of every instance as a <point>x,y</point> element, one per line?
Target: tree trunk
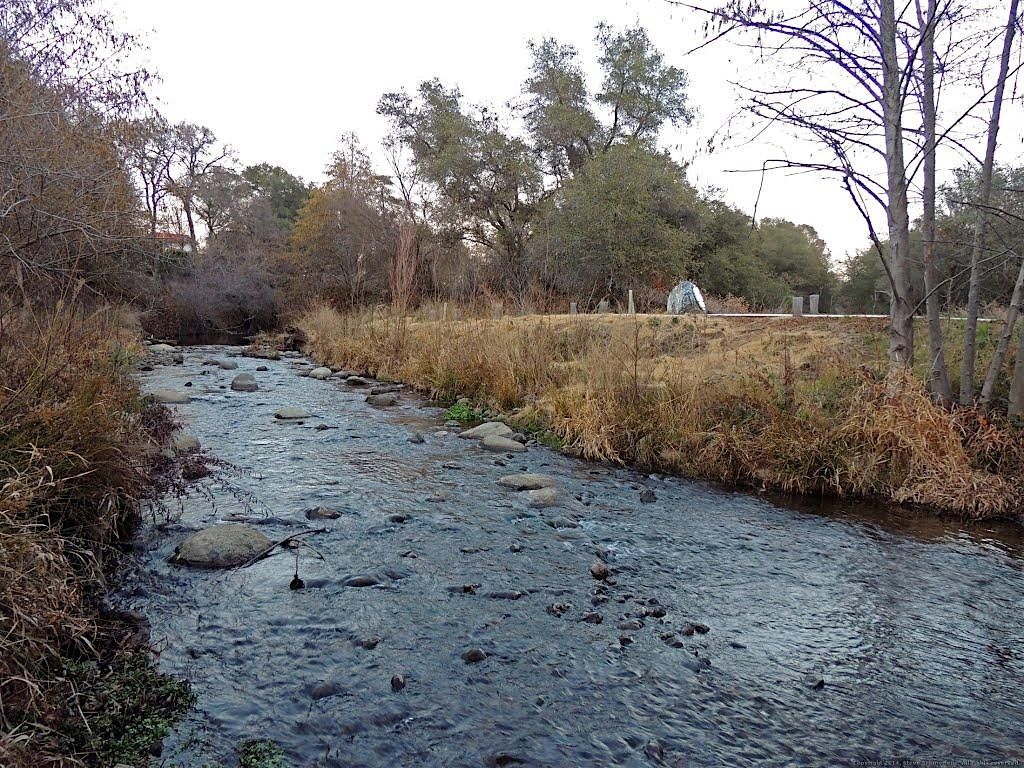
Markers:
<point>984,194</point>
<point>1017,383</point>
<point>901,311</point>
<point>938,377</point>
<point>992,377</point>
<point>186,203</point>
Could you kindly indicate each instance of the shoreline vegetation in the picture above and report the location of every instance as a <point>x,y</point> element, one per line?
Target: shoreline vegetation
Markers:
<point>769,404</point>
<point>79,450</point>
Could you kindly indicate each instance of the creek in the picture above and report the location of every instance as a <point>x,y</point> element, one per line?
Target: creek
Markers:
<point>836,634</point>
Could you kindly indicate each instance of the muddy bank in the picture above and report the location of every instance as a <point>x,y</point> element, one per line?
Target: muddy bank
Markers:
<point>447,621</point>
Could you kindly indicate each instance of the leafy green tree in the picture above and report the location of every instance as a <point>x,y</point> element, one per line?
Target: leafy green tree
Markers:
<point>558,109</point>
<point>487,179</point>
<point>639,94</point>
<point>722,261</point>
<point>626,220</point>
<point>795,257</point>
<point>285,193</point>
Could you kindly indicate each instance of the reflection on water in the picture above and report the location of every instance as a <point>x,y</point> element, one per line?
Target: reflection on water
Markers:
<point>914,628</point>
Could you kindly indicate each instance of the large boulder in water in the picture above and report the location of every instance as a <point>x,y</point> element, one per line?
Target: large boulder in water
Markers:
<point>244,382</point>
<point>487,429</point>
<point>500,444</point>
<point>222,546</point>
<point>686,297</point>
<point>288,413</point>
<point>321,373</point>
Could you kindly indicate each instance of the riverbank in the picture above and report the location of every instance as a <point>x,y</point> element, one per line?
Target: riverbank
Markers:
<point>77,453</point>
<point>766,403</point>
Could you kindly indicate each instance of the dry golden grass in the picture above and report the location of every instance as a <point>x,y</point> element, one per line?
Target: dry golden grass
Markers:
<point>774,403</point>
<point>71,469</point>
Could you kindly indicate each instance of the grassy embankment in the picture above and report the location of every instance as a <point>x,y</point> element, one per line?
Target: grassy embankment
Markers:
<point>77,685</point>
<point>782,404</point>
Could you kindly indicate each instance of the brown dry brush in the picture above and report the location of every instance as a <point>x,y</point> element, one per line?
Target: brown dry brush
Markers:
<point>74,436</point>
<point>766,404</point>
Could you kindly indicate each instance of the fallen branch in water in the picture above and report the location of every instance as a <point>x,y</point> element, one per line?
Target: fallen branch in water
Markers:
<point>286,540</point>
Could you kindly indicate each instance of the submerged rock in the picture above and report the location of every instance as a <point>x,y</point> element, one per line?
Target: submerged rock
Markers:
<point>487,429</point>
<point>543,497</point>
<point>244,382</point>
<point>647,496</point>
<point>288,413</point>
<point>473,655</point>
<point>383,401</point>
<point>500,444</point>
<point>527,481</point>
<point>162,348</point>
<point>227,365</point>
<point>222,546</point>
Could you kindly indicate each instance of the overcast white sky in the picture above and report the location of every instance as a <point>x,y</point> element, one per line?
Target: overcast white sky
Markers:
<point>281,81</point>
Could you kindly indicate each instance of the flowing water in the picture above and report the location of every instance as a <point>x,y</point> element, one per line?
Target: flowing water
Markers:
<point>914,627</point>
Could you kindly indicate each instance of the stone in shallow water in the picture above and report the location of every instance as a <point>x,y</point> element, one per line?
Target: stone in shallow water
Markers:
<point>162,348</point>
<point>291,413</point>
<point>487,429</point>
<point>543,497</point>
<point>322,513</point>
<point>169,397</point>
<point>383,401</point>
<point>500,444</point>
<point>182,441</point>
<point>222,546</point>
<point>527,481</point>
<point>320,373</point>
<point>244,382</point>
<point>227,365</point>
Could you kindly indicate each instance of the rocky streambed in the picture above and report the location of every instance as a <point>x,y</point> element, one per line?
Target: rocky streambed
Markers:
<point>464,605</point>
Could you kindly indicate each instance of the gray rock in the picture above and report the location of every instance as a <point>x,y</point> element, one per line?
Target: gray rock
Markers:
<point>647,496</point>
<point>178,358</point>
<point>170,397</point>
<point>527,481</point>
<point>289,413</point>
<point>600,571</point>
<point>383,389</point>
<point>162,348</point>
<point>244,382</point>
<point>416,438</point>
<point>184,441</point>
<point>357,381</point>
<point>262,368</point>
<point>543,497</point>
<point>473,655</point>
<point>322,513</point>
<point>227,365</point>
<point>500,444</point>
<point>361,581</point>
<point>222,546</point>
<point>487,429</point>
<point>383,401</point>
<point>320,373</point>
